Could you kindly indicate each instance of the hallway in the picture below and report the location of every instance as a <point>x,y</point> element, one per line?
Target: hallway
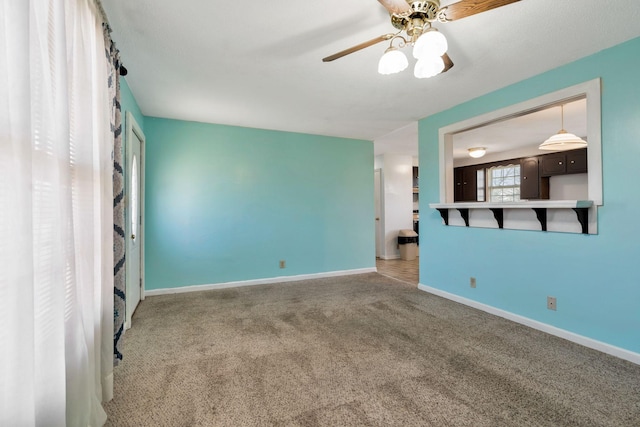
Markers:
<point>407,271</point>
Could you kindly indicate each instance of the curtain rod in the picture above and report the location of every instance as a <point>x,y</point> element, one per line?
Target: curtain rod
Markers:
<point>103,14</point>
<point>105,22</point>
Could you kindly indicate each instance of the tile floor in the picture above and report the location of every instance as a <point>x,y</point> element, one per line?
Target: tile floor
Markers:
<point>399,269</point>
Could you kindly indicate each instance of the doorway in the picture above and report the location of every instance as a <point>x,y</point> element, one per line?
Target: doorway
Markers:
<point>134,214</point>
<point>379,203</point>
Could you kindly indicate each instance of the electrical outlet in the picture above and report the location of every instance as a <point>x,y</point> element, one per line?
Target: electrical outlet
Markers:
<point>551,303</point>
<point>283,263</point>
<point>472,282</point>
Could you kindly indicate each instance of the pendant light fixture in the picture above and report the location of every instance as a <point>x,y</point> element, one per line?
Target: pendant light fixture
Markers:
<point>563,140</point>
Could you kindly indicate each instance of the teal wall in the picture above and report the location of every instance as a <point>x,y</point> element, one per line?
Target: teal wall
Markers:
<point>227,203</point>
<point>593,276</point>
<point>128,103</point>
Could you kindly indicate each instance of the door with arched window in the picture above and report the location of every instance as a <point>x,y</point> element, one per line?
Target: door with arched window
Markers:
<point>134,216</point>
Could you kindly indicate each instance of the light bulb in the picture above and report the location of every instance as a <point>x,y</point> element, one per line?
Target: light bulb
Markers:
<point>430,43</point>
<point>428,67</point>
<point>393,61</point>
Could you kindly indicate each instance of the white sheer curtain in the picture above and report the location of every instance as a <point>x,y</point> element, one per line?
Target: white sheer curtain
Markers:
<point>56,244</point>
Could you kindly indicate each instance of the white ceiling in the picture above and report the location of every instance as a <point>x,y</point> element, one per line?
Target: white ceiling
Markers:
<point>260,66</point>
<point>524,132</point>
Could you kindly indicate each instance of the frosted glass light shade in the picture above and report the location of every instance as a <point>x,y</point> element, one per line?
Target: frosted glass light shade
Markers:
<point>428,67</point>
<point>563,140</point>
<point>393,61</point>
<point>431,43</point>
<point>477,152</point>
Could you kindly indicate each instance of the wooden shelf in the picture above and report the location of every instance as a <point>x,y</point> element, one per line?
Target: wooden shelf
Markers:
<point>580,207</point>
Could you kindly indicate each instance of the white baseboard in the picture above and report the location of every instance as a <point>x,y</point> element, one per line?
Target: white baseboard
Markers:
<point>552,330</point>
<point>281,279</point>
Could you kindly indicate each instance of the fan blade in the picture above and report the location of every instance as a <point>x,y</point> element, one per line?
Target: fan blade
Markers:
<point>448,63</point>
<point>357,47</point>
<point>465,8</point>
<point>397,7</point>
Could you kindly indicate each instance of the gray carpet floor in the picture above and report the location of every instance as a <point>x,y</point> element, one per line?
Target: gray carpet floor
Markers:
<point>362,350</point>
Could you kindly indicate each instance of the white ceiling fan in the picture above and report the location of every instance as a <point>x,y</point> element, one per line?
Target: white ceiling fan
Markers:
<point>413,20</point>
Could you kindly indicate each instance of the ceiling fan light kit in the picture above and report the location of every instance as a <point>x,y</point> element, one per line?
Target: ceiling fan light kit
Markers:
<point>415,19</point>
<point>393,61</point>
<point>431,43</point>
<point>428,67</point>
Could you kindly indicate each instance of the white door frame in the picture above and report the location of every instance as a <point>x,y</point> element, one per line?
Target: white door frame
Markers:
<point>380,233</point>
<point>134,130</point>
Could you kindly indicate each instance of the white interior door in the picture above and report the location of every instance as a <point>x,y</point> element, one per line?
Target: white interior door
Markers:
<point>134,206</point>
<point>378,200</point>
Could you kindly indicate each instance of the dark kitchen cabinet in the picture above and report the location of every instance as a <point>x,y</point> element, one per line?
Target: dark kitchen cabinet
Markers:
<point>553,164</point>
<point>465,184</point>
<point>567,162</point>
<point>532,186</point>
<point>457,182</point>
<point>529,178</point>
<point>535,173</point>
<point>577,161</point>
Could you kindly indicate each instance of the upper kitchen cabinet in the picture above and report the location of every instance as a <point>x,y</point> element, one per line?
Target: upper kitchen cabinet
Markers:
<point>577,161</point>
<point>562,163</point>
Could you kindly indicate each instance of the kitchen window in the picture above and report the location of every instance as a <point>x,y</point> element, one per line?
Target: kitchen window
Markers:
<point>503,183</point>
